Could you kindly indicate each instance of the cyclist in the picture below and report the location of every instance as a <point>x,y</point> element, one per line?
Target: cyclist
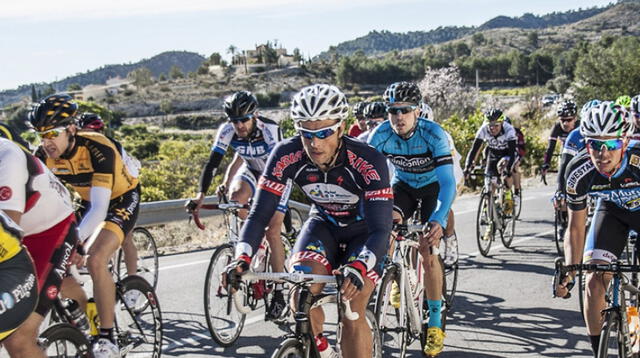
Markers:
<point>252,137</point>
<point>361,122</point>
<point>610,171</point>
<point>450,238</point>
<point>502,152</point>
<point>521,151</point>
<point>624,101</point>
<point>374,114</point>
<point>93,122</point>
<point>35,199</point>
<point>635,113</point>
<point>10,134</point>
<point>17,281</point>
<point>350,220</point>
<point>93,166</point>
<point>567,111</point>
<point>420,152</point>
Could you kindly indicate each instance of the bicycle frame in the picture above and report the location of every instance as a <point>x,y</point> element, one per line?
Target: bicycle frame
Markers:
<point>409,261</point>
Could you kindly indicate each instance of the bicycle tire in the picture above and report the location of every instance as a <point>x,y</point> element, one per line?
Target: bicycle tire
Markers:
<point>450,283</point>
<point>296,219</point>
<point>611,339</point>
<point>376,347</point>
<point>224,328</point>
<point>509,231</point>
<point>393,338</point>
<point>483,224</point>
<point>138,327</point>
<point>59,339</point>
<point>558,234</point>
<point>148,261</point>
<point>289,348</point>
<point>582,284</point>
<point>517,203</point>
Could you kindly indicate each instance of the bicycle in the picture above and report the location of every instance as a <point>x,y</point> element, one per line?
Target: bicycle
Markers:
<point>402,325</point>
<point>614,336</point>
<point>64,338</point>
<point>301,342</point>
<point>147,257</point>
<point>224,321</point>
<point>492,216</point>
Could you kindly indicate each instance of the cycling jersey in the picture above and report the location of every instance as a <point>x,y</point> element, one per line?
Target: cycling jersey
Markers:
<point>8,133</point>
<point>254,150</point>
<point>28,187</point>
<point>557,133</point>
<point>420,160</point>
<point>457,169</point>
<point>355,189</point>
<point>501,145</point>
<point>94,160</point>
<point>622,188</point>
<point>573,144</point>
<point>10,235</point>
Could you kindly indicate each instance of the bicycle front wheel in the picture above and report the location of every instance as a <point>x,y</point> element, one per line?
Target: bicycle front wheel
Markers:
<point>64,340</point>
<point>559,231</point>
<point>517,204</point>
<point>612,337</point>
<point>485,229</point>
<point>138,318</point>
<point>225,322</point>
<point>147,257</point>
<point>508,232</point>
<point>290,348</point>
<point>393,335</point>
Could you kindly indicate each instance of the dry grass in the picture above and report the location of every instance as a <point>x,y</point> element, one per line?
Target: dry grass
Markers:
<point>183,236</point>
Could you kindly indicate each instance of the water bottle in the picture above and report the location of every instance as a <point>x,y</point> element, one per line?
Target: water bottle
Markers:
<point>78,318</point>
<point>634,328</point>
<point>92,316</point>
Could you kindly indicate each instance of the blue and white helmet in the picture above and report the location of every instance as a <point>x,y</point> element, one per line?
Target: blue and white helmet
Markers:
<point>607,120</point>
<point>586,108</point>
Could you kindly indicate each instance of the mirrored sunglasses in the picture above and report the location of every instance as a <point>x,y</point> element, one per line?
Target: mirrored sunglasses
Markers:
<point>609,144</point>
<point>51,133</point>
<point>318,133</point>
<point>400,109</point>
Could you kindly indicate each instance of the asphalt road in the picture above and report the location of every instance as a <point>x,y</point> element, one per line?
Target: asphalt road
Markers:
<point>503,307</point>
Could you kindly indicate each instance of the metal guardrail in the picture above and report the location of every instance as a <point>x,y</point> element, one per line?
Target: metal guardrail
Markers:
<point>162,212</point>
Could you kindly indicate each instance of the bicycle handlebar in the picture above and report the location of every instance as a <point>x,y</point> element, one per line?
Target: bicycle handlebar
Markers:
<point>191,205</point>
<point>561,270</point>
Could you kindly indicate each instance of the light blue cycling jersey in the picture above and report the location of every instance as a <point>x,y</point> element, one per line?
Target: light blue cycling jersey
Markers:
<point>420,160</point>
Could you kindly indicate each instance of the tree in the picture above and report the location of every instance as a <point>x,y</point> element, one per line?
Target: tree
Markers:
<point>141,77</point>
<point>74,87</point>
<point>478,39</point>
<point>215,59</point>
<point>297,56</point>
<point>175,72</point>
<point>232,50</point>
<point>48,91</point>
<point>34,95</point>
<point>165,107</point>
<point>532,37</point>
<point>444,90</point>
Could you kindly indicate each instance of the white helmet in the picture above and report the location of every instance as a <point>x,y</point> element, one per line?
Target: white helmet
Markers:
<point>635,104</point>
<point>586,108</point>
<point>607,120</point>
<point>318,102</point>
<point>426,111</point>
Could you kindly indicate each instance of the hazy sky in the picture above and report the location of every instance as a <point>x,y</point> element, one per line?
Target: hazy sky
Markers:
<point>41,41</point>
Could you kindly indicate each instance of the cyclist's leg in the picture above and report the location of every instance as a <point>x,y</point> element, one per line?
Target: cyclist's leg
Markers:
<point>313,253</point>
<point>517,179</point>
<point>242,188</point>
<point>275,229</point>
<point>70,288</point>
<point>433,270</point>
<point>23,343</point>
<point>130,254</point>
<point>605,241</point>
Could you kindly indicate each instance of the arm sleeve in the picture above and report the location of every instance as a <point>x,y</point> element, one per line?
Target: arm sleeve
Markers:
<point>97,211</point>
<point>209,170</point>
<point>475,147</point>
<point>378,210</point>
<point>564,161</point>
<point>513,153</point>
<point>13,178</point>
<point>549,152</point>
<point>446,194</point>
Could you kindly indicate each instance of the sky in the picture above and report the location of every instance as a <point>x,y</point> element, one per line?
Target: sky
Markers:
<point>44,41</point>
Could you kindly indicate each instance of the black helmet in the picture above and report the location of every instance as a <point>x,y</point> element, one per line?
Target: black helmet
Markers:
<point>567,109</point>
<point>402,92</point>
<point>358,109</point>
<point>375,110</point>
<point>91,121</point>
<point>494,114</point>
<point>54,111</point>
<point>240,104</point>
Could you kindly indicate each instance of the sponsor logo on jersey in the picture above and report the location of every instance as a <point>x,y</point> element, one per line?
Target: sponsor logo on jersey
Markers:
<point>310,256</point>
<point>284,162</point>
<point>633,204</point>
<point>271,186</point>
<point>577,174</point>
<point>363,167</point>
<point>5,193</point>
<point>381,194</point>
<point>412,164</point>
<point>368,258</point>
<point>9,300</point>
<point>251,150</point>
<point>312,178</point>
<point>634,160</point>
<point>61,268</point>
<point>329,193</point>
<point>52,292</point>
<point>630,184</point>
<point>601,187</point>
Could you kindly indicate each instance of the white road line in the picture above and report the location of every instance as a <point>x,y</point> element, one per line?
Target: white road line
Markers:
<point>476,209</point>
<point>473,254</point>
<point>184,264</point>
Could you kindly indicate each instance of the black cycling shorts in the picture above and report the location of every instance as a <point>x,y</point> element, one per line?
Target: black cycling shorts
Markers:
<point>405,200</point>
<point>609,230</point>
<point>122,213</point>
<point>332,246</point>
<point>18,292</point>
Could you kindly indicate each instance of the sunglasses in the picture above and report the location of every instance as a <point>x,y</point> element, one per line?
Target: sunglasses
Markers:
<point>243,119</point>
<point>495,124</point>
<point>52,133</point>
<point>401,109</point>
<point>318,133</point>
<point>636,115</point>
<point>610,144</point>
<point>566,119</point>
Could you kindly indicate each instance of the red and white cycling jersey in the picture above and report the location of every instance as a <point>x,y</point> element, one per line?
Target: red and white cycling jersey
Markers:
<point>27,186</point>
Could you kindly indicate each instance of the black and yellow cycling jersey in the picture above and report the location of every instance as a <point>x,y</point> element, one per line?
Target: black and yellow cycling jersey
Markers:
<point>10,236</point>
<point>94,160</point>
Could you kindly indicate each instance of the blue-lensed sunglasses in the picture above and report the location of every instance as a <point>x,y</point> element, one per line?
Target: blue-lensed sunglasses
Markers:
<point>609,144</point>
<point>400,109</point>
<point>318,133</point>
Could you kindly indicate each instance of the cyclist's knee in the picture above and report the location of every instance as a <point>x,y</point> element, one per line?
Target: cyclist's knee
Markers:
<point>430,263</point>
<point>24,338</point>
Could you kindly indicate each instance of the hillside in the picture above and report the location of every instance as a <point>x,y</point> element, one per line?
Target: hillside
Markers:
<point>159,64</point>
<point>384,41</point>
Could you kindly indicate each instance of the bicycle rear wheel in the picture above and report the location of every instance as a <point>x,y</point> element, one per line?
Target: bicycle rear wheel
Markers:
<point>64,340</point>
<point>290,348</point>
<point>139,319</point>
<point>508,232</point>
<point>517,204</point>
<point>485,230</point>
<point>394,338</point>
<point>225,322</point>
<point>147,263</point>
<point>612,337</point>
<point>559,230</point>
